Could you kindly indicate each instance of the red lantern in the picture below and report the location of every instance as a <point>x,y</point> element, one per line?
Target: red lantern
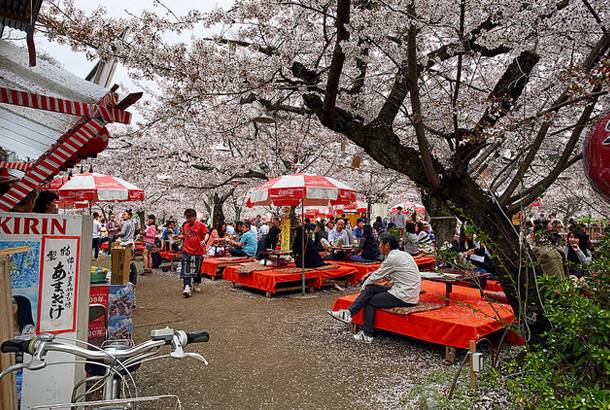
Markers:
<point>596,157</point>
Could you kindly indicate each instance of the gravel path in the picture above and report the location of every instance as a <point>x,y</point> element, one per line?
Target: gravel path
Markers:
<point>279,353</point>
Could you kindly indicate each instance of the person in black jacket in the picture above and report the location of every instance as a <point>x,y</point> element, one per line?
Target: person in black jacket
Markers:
<point>312,257</point>
<point>274,233</point>
<point>368,247</point>
<point>475,253</point>
<point>319,234</point>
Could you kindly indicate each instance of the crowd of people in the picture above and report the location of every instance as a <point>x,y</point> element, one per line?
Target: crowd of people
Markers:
<point>560,250</point>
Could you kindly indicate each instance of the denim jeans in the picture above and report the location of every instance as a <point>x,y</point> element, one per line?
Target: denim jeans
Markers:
<point>191,268</point>
<point>238,252</point>
<point>358,258</point>
<point>371,298</point>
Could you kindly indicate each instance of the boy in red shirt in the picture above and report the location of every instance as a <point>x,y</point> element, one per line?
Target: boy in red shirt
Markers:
<point>195,235</point>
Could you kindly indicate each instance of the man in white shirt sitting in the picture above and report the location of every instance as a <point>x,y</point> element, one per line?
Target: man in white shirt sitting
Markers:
<point>403,289</point>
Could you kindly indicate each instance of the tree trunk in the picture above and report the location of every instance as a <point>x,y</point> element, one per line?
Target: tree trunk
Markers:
<point>442,219</point>
<point>470,203</point>
<point>218,216</point>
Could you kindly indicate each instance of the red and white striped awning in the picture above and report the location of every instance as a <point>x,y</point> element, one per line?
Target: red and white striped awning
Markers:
<point>87,137</point>
<point>19,166</point>
<point>297,189</point>
<point>95,187</point>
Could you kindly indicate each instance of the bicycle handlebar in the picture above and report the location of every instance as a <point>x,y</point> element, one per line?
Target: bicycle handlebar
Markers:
<point>197,337</point>
<point>15,346</point>
<point>40,345</point>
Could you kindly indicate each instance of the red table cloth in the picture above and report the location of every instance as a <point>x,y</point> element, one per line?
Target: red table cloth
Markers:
<point>467,317</point>
<point>210,264</point>
<point>268,280</point>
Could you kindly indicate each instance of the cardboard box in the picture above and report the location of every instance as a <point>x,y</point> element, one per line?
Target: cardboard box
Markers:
<point>121,260</point>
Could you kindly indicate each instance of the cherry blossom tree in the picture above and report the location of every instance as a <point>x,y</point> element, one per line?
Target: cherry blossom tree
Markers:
<point>482,104</point>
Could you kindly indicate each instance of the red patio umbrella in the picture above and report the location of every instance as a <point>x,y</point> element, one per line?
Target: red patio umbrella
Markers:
<point>96,187</point>
<point>80,190</point>
<point>355,207</point>
<point>303,190</point>
<point>408,208</point>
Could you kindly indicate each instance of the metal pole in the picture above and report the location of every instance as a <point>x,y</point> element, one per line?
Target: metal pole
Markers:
<point>303,246</point>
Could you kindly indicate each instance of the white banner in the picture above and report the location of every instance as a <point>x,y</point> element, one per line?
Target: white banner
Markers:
<point>58,284</point>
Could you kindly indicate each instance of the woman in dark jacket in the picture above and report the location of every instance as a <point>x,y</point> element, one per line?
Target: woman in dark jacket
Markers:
<point>312,257</point>
<point>577,253</point>
<point>368,248</point>
<point>319,234</point>
<point>475,253</point>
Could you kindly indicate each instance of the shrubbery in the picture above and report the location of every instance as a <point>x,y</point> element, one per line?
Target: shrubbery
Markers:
<point>570,367</point>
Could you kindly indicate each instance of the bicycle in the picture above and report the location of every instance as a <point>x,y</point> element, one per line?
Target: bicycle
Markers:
<point>110,367</point>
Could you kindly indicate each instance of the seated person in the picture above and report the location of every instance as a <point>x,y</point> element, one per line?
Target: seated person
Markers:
<point>577,254</point>
<point>410,239</point>
<point>475,253</point>
<point>212,247</point>
<point>424,242</point>
<point>337,237</point>
<point>246,246</point>
<point>319,234</point>
<point>368,248</point>
<point>359,229</point>
<point>169,232</point>
<point>403,289</point>
<point>312,257</point>
<point>550,260</point>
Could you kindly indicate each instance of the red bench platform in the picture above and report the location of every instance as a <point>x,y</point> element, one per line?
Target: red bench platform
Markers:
<point>467,317</point>
<point>269,280</point>
<point>212,265</point>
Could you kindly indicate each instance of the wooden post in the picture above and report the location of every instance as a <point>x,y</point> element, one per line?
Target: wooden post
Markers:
<point>472,345</point>
<point>8,392</point>
<point>450,354</point>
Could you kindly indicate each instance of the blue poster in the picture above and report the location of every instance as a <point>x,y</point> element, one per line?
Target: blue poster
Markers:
<point>24,269</point>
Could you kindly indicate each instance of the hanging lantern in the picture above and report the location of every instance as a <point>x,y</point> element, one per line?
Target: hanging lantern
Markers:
<point>596,157</point>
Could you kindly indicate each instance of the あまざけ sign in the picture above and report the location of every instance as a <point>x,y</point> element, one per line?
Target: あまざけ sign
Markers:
<point>59,268</point>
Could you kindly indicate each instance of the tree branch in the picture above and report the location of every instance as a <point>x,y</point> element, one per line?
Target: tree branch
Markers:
<point>336,65</point>
<point>530,194</point>
<point>422,142</point>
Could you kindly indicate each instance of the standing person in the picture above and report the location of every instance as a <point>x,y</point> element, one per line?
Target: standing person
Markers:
<point>96,234</point>
<point>150,234</point>
<point>246,246</point>
<point>111,228</point>
<point>127,237</point>
<point>398,219</point>
<point>195,236</point>
<point>274,231</point>
<point>402,272</point>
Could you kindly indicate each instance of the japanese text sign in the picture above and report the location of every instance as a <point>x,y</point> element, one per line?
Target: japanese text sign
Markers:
<point>58,284</point>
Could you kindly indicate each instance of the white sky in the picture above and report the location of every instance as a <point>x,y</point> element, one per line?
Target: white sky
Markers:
<point>78,64</point>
